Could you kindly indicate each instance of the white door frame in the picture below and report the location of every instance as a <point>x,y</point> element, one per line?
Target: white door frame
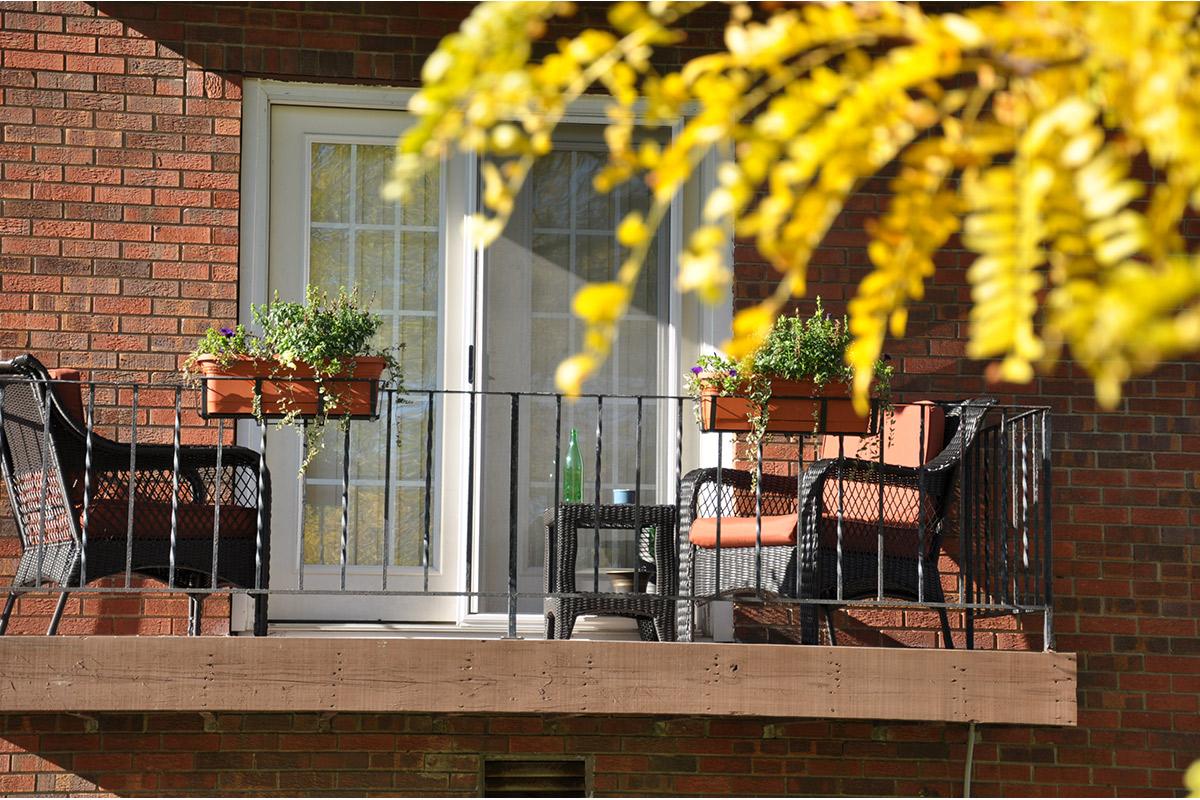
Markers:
<point>696,328</point>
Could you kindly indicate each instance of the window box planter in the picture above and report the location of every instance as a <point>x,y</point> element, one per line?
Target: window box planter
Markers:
<point>794,407</point>
<point>227,392</point>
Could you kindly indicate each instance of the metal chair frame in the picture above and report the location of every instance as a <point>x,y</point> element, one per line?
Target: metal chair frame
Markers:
<point>772,570</point>
<point>57,473</point>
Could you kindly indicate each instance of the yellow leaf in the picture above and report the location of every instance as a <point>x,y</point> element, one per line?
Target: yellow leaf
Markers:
<point>704,273</point>
<point>601,302</point>
<point>1111,198</point>
<point>964,30</point>
<point>483,230</point>
<point>632,231</point>
<point>572,372</point>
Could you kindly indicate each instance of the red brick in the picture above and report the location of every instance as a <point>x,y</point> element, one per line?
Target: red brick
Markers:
<point>123,194</point>
<point>68,43</point>
<point>109,64</point>
<point>17,59</point>
<point>123,232</point>
<point>61,228</point>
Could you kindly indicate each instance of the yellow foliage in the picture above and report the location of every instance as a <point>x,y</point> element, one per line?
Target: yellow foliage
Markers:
<point>1015,125</point>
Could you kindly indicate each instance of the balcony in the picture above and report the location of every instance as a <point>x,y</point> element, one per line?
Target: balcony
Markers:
<point>423,553</point>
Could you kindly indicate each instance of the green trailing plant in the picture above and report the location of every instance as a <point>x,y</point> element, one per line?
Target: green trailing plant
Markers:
<point>323,334</point>
<point>797,348</point>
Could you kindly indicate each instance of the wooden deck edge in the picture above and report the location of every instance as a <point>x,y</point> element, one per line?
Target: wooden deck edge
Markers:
<point>55,674</point>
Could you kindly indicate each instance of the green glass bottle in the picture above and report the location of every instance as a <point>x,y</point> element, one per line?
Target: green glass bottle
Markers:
<point>572,474</point>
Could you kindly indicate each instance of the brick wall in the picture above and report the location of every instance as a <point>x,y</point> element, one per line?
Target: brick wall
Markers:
<point>119,161</point>
<point>365,754</point>
<point>119,141</point>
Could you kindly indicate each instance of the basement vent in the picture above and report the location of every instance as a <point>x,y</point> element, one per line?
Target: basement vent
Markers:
<point>559,778</point>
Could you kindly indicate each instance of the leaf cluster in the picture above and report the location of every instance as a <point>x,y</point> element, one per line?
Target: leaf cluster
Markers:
<point>796,348</point>
<point>322,333</point>
<point>1018,126</point>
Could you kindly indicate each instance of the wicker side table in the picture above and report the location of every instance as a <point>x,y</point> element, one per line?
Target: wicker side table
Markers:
<point>654,611</point>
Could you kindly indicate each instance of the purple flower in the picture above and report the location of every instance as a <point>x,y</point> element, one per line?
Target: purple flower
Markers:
<point>733,373</point>
<point>697,370</point>
<point>227,332</point>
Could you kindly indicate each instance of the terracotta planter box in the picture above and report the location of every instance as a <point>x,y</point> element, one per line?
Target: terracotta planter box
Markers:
<point>794,407</point>
<point>228,392</point>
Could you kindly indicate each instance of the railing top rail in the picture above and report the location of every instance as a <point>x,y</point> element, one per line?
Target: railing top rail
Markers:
<point>422,390</point>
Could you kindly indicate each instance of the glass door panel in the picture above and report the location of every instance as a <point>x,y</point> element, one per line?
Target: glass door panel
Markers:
<point>391,253</point>
<point>330,227</point>
<point>561,235</point>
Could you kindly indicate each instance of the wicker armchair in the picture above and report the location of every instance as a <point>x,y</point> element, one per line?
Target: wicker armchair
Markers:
<point>43,457</point>
<point>910,500</point>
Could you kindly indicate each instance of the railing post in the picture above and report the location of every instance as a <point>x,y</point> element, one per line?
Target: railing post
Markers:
<point>922,457</point>
<point>132,486</point>
<point>427,533</point>
<point>513,478</point>
<point>879,536</point>
<point>1002,516</point>
<point>89,424</point>
<point>471,447</point>
<point>637,497</point>
<point>966,543</point>
<point>1048,572</point>
<point>344,550</point>
<point>550,579</point>
<point>259,521</point>
<point>175,489</point>
<point>386,556</point>
<point>758,521</point>
<point>596,496</point>
<point>720,500</point>
<point>217,504</point>
<point>841,512</point>
<point>673,580</point>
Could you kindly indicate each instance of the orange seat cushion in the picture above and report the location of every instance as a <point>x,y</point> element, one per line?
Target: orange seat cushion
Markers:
<point>777,531</point>
<point>780,531</point>
<point>860,537</point>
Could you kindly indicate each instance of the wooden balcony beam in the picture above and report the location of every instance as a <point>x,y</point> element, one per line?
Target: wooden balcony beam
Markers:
<point>52,674</point>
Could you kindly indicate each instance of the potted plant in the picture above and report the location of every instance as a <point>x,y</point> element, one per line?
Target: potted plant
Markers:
<point>797,382</point>
<point>313,361</point>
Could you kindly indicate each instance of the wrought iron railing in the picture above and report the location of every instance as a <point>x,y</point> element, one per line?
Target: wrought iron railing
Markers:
<point>984,505</point>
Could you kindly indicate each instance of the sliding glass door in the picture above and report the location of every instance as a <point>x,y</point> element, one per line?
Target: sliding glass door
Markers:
<point>561,235</point>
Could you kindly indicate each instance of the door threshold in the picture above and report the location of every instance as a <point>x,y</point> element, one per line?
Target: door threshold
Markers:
<point>594,629</point>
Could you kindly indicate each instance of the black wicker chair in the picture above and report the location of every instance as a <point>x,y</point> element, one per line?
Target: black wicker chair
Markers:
<point>908,494</point>
<point>43,456</point>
